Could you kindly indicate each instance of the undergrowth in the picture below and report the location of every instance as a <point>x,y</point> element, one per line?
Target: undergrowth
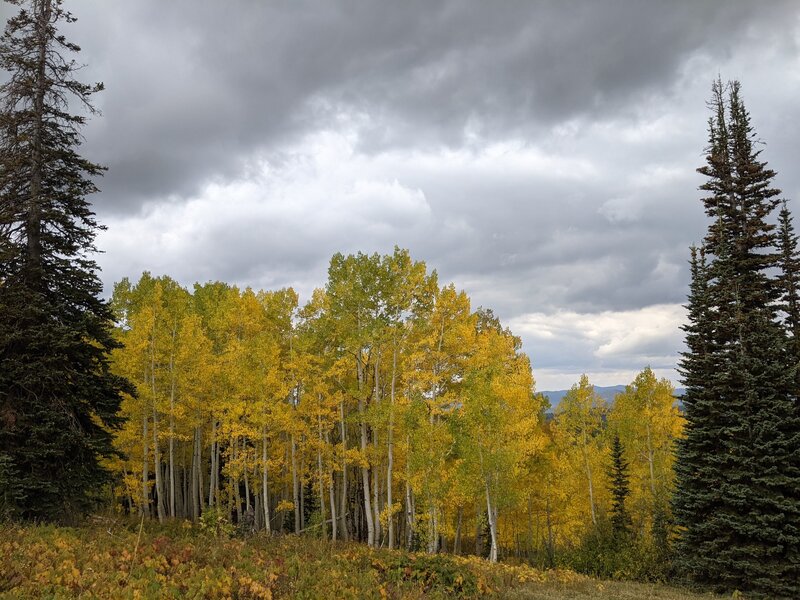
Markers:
<point>126,560</point>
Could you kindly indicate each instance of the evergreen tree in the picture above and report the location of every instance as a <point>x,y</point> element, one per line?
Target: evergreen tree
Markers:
<point>738,479</point>
<point>789,280</point>
<point>619,488</point>
<point>58,398</point>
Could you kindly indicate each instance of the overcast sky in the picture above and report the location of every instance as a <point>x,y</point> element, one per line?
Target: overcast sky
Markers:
<point>540,155</point>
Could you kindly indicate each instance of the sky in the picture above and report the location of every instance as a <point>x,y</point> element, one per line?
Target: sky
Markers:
<point>539,155</point>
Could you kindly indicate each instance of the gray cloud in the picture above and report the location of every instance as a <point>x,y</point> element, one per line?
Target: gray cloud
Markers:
<point>196,87</point>
<point>541,155</point>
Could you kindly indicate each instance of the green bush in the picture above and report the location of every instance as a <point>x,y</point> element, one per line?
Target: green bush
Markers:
<point>604,555</point>
<point>434,573</point>
<point>215,522</point>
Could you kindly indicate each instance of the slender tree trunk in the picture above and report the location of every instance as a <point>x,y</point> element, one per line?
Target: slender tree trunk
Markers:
<point>491,512</point>
<point>390,452</point>
<point>457,537</point>
<point>433,542</point>
<point>200,494</point>
<point>375,468</point>
<point>343,504</point>
<point>156,450</point>
<point>172,459</point>
<point>185,485</point>
<point>332,497</point>
<point>195,483</point>
<point>246,473</point>
<point>216,472</point>
<point>319,474</point>
<point>492,516</point>
<point>172,424</point>
<point>295,490</point>
<point>212,463</point>
<point>157,468</point>
<point>409,503</point>
<point>364,441</point>
<point>145,473</point>
<point>264,486</point>
<point>237,496</point>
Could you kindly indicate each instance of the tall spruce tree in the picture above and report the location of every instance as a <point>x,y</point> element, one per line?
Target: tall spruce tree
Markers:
<point>619,487</point>
<point>738,483</point>
<point>789,280</point>
<point>58,398</point>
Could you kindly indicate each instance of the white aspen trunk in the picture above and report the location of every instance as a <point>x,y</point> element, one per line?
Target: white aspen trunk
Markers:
<point>492,516</point>
<point>295,490</point>
<point>264,486</point>
<point>237,497</point>
<point>332,498</point>
<point>319,474</point>
<point>343,503</point>
<point>375,470</point>
<point>216,473</point>
<point>194,485</point>
<point>591,493</point>
<point>409,502</point>
<point>213,465</point>
<point>145,472</point>
<point>246,478</point>
<point>200,495</point>
<point>172,457</point>
<point>433,542</point>
<point>172,424</point>
<point>364,470</point>
<point>390,452</point>
<point>183,484</point>
<point>156,450</point>
<point>157,467</point>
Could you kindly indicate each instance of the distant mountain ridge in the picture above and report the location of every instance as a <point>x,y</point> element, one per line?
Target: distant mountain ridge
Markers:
<point>607,393</point>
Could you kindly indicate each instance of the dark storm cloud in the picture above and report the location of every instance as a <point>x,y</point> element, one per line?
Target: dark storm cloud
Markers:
<point>196,87</point>
<point>541,155</point>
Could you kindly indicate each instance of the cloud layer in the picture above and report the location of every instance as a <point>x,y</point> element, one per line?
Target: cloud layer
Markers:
<point>540,155</point>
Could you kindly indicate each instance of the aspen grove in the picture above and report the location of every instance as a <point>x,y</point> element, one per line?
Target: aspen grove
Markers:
<point>385,410</point>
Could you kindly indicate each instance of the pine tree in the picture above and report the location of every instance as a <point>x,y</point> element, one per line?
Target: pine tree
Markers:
<point>58,398</point>
<point>619,488</point>
<point>737,472</point>
<point>789,281</point>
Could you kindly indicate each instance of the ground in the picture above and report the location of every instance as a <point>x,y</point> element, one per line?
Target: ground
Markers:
<point>111,558</point>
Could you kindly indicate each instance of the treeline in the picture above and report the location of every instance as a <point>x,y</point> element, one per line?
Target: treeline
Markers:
<point>384,410</point>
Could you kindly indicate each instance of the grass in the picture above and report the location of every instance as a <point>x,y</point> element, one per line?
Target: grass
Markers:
<point>109,559</point>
